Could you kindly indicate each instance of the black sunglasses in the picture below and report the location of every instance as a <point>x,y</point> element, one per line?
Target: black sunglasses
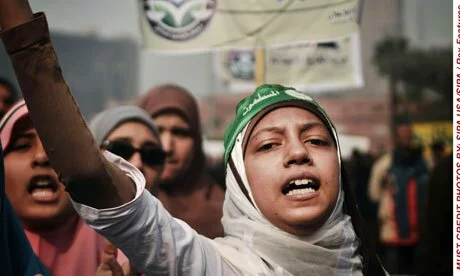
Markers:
<point>151,153</point>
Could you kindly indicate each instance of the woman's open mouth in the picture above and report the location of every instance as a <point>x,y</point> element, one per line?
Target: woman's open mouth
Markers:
<point>301,187</point>
<point>43,188</point>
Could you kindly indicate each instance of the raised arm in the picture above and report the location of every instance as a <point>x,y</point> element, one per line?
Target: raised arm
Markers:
<point>154,241</point>
<point>69,144</point>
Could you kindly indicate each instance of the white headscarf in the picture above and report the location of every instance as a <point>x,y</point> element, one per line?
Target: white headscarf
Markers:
<point>254,246</point>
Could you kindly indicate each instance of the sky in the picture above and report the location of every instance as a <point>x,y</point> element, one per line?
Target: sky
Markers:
<point>106,18</point>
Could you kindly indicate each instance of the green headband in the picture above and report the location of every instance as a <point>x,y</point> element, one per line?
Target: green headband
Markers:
<point>264,96</point>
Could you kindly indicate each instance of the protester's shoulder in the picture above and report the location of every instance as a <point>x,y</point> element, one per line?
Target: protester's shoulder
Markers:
<point>216,191</point>
<point>85,230</point>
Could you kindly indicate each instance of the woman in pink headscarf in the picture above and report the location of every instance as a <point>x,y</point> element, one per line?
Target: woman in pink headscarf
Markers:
<point>63,243</point>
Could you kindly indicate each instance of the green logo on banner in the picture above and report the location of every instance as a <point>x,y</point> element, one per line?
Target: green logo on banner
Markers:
<point>179,20</point>
<point>240,64</point>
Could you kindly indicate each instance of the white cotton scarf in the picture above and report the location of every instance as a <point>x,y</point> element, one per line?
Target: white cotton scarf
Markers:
<point>254,246</point>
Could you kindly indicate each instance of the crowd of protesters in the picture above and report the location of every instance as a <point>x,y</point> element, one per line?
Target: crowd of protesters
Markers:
<point>128,193</point>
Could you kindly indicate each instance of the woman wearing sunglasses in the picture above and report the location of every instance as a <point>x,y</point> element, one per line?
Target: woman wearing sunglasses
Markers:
<point>128,132</point>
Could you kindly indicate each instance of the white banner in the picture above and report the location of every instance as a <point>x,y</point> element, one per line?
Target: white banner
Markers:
<point>310,67</point>
<point>197,25</point>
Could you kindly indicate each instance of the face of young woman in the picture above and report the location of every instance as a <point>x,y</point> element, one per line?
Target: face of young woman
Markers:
<point>178,144</point>
<point>32,185</point>
<point>138,135</point>
<point>293,171</point>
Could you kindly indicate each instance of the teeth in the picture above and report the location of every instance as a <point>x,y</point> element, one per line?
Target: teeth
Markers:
<point>301,181</point>
<point>42,193</point>
<point>300,191</point>
<point>42,183</point>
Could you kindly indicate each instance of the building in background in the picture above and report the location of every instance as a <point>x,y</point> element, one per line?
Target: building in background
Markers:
<point>427,23</point>
<point>99,71</point>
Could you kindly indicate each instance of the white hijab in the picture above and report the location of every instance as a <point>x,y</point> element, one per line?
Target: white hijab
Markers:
<point>254,246</point>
